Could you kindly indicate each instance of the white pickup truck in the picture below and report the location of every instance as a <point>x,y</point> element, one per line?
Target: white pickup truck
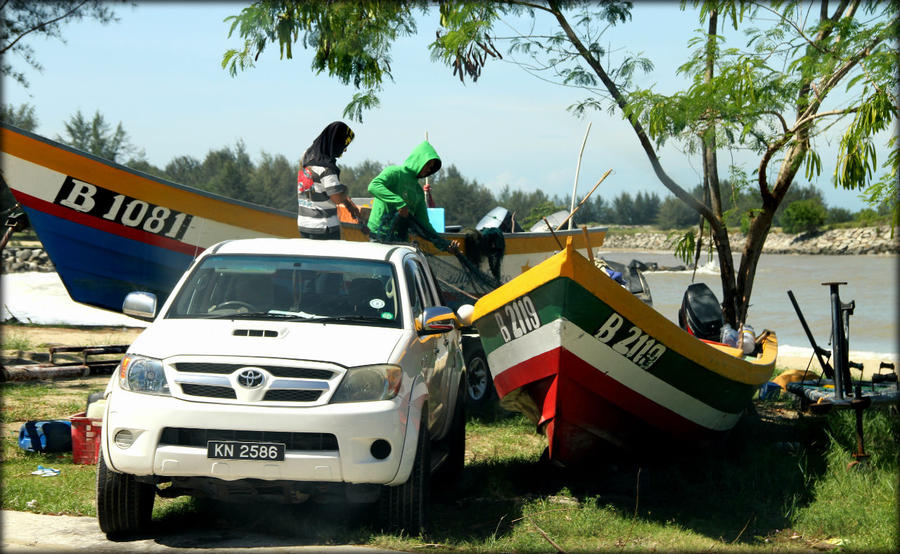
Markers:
<point>286,369</point>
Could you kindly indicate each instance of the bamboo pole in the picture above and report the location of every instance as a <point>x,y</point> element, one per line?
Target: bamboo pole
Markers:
<point>587,242</point>
<point>578,170</point>
<point>583,200</point>
<point>552,232</point>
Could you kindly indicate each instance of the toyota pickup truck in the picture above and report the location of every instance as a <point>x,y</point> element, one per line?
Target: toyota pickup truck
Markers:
<point>286,369</point>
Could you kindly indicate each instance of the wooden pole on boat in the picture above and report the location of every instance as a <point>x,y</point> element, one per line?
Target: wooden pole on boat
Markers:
<point>577,170</point>
<point>429,200</point>
<point>552,232</point>
<point>587,243</point>
<point>583,200</point>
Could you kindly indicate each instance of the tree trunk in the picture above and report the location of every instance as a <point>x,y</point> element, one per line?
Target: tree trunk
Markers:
<point>717,226</point>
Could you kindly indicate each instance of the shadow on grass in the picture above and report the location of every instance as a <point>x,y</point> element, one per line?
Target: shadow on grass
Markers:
<point>200,523</point>
<point>739,490</point>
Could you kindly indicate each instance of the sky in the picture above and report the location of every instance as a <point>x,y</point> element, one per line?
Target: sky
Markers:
<point>158,72</point>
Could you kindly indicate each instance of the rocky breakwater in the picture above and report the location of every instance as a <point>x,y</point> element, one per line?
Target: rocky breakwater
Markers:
<point>20,258</point>
<point>835,242</point>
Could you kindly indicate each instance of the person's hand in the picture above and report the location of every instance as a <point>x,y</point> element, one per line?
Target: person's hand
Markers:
<point>453,247</point>
<point>404,211</point>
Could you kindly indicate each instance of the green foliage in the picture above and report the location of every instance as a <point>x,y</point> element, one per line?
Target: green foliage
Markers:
<point>357,178</point>
<point>98,138</point>
<point>22,117</point>
<point>22,20</point>
<point>542,210</point>
<point>675,214</point>
<point>803,216</point>
<point>685,247</point>
<point>795,194</point>
<point>464,201</point>
<point>351,40</point>
<point>837,214</point>
<point>872,484</point>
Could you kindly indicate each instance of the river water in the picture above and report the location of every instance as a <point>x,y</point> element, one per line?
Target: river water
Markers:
<point>871,283</point>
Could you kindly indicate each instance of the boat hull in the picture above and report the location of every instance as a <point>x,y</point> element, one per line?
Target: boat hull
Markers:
<point>110,230</point>
<point>592,365</point>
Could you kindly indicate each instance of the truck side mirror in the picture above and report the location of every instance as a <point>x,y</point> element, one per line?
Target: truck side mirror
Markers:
<point>141,305</point>
<point>436,319</point>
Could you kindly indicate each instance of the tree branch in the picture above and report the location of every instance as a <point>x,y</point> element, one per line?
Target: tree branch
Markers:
<point>809,118</point>
<point>835,78</point>
<point>42,25</point>
<point>797,27</point>
<point>530,5</point>
<point>667,181</point>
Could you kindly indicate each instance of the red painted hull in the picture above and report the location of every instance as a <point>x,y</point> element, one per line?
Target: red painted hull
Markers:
<point>583,411</point>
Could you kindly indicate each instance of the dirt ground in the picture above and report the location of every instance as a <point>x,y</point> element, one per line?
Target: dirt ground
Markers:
<point>41,336</point>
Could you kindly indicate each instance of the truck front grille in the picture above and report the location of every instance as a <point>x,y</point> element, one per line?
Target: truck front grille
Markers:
<point>292,395</point>
<point>186,436</point>
<point>277,371</point>
<point>207,391</point>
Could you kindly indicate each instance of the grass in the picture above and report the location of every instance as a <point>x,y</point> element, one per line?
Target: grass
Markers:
<point>15,340</point>
<point>776,484</point>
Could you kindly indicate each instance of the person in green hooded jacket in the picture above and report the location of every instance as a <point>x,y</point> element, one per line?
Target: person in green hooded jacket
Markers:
<point>399,201</point>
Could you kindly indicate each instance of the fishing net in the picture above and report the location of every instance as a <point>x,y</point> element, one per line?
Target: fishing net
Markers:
<point>464,277</point>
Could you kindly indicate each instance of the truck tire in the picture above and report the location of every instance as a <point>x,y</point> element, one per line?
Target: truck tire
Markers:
<point>405,507</point>
<point>124,506</point>
<point>455,443</point>
<point>480,391</point>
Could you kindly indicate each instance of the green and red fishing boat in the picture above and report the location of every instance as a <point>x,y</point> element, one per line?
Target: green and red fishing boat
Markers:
<point>591,364</point>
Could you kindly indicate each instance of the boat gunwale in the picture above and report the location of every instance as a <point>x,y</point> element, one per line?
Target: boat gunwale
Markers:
<point>720,359</point>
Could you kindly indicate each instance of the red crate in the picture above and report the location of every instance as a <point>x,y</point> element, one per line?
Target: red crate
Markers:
<point>85,438</point>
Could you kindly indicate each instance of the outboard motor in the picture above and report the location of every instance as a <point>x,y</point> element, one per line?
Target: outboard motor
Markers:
<point>700,313</point>
<point>499,218</point>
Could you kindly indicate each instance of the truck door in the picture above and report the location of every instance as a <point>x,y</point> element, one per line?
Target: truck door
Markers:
<point>434,347</point>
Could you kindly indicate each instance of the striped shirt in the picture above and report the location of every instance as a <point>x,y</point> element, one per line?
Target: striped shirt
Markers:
<point>316,213</point>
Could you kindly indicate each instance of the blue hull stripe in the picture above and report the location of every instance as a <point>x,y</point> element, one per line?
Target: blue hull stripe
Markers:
<point>99,268</point>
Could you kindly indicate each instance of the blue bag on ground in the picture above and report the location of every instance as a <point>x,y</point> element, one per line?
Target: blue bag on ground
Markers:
<point>46,436</point>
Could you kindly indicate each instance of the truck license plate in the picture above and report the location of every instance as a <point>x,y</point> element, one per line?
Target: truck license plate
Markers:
<point>235,450</point>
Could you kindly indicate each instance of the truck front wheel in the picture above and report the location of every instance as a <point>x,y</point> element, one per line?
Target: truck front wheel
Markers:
<point>124,505</point>
<point>405,507</point>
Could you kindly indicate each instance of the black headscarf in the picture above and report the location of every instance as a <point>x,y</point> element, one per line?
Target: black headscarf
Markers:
<point>330,144</point>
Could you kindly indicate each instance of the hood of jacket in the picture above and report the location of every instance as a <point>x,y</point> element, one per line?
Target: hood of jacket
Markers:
<point>420,155</point>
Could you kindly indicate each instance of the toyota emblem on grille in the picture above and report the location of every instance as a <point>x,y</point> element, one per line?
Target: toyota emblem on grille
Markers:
<point>250,378</point>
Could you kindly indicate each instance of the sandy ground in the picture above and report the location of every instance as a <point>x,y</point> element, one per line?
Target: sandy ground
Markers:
<point>40,336</point>
<point>27,532</point>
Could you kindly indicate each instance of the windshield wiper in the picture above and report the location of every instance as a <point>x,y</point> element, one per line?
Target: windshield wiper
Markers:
<point>352,319</point>
<point>298,316</point>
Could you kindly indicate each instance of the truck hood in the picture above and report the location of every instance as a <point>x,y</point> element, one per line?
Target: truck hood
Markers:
<point>346,345</point>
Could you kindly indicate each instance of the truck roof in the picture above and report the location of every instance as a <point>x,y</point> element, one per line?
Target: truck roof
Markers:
<point>309,247</point>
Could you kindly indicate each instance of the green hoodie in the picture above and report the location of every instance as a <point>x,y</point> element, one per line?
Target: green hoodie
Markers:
<point>398,186</point>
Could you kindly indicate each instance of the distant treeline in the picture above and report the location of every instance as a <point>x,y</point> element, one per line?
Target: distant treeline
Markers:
<point>271,182</point>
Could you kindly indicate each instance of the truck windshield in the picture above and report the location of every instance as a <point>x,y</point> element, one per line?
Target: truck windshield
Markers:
<point>330,290</point>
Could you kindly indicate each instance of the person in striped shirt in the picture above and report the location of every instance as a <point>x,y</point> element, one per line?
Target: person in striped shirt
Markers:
<point>319,188</point>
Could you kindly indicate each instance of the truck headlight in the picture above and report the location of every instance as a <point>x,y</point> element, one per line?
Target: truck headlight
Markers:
<point>140,374</point>
<point>367,383</point>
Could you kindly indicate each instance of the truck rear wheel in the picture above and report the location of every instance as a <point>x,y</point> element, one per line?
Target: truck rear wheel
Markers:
<point>479,383</point>
<point>405,507</point>
<point>124,505</point>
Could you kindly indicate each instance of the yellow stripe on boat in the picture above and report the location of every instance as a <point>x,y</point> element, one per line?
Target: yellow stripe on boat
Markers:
<point>720,359</point>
